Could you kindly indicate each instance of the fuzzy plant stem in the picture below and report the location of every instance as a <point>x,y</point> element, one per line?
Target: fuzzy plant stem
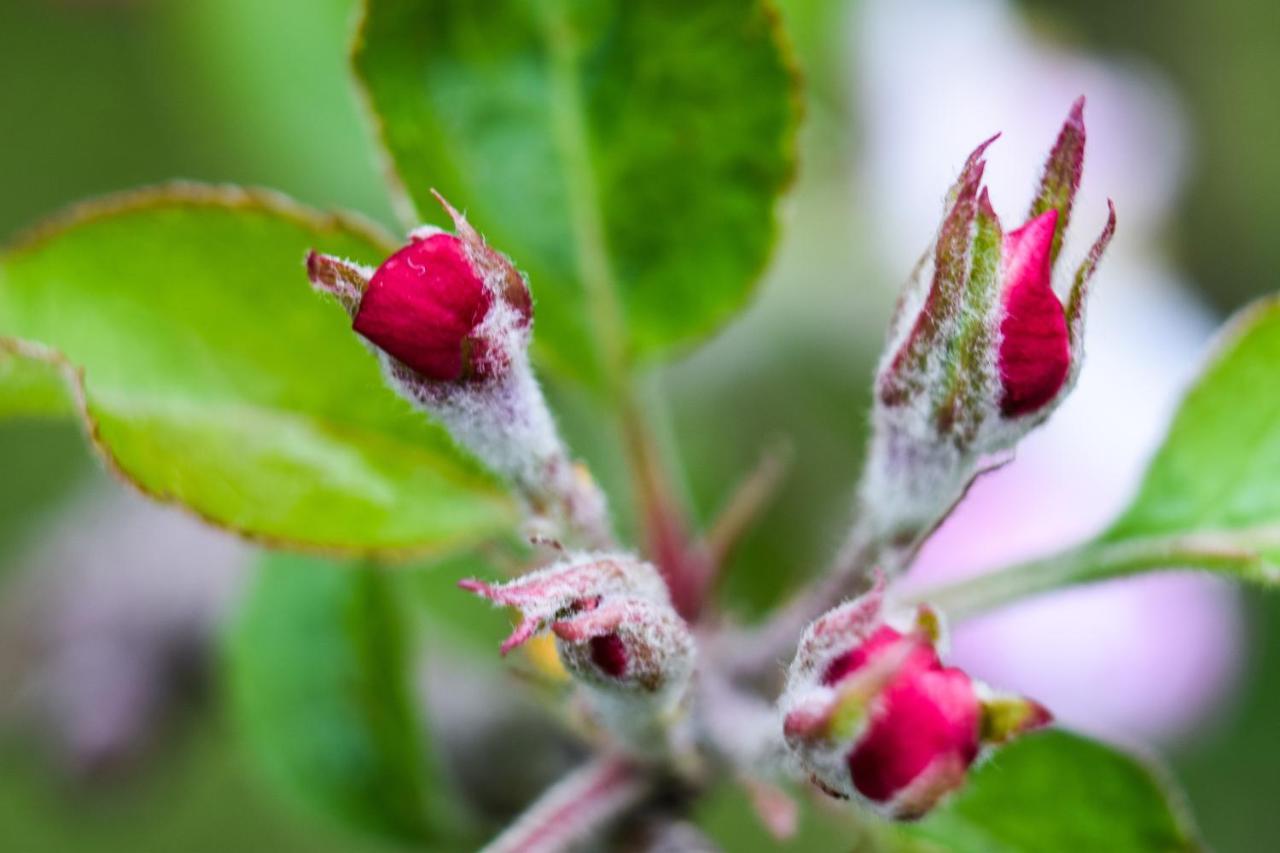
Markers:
<point>683,563</point>
<point>507,423</point>
<point>575,808</point>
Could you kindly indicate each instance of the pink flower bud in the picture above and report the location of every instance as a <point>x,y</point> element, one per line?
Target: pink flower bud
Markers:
<point>871,712</point>
<point>572,586</point>
<point>628,644</point>
<point>981,350</point>
<point>447,306</point>
<point>615,628</point>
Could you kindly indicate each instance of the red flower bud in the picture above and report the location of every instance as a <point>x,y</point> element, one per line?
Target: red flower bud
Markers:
<point>447,306</point>
<point>926,725</point>
<point>627,645</point>
<point>871,711</point>
<point>424,306</point>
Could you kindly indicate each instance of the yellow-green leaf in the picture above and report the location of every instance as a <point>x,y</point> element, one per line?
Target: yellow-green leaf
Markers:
<point>210,375</point>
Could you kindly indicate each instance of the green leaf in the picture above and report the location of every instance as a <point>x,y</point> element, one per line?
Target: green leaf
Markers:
<point>32,382</point>
<point>1210,499</point>
<point>452,616</point>
<point>1048,792</point>
<point>210,375</point>
<point>627,154</point>
<point>320,676</point>
<point>1054,792</point>
<point>1218,472</point>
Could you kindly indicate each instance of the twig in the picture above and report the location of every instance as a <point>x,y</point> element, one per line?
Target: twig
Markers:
<point>574,808</point>
<point>683,564</point>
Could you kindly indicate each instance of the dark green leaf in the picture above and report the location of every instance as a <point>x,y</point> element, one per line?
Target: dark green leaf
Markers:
<point>321,686</point>
<point>1054,792</point>
<point>628,154</point>
<point>213,377</point>
<point>1050,792</point>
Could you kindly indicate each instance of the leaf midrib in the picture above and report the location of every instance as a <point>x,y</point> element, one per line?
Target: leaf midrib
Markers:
<point>591,251</point>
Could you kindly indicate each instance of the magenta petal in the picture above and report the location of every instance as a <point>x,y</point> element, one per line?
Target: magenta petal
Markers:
<point>922,656</point>
<point>925,718</point>
<point>422,306</point>
<point>1034,347</point>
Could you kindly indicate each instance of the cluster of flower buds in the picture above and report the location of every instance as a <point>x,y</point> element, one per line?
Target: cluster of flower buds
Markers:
<point>871,713</point>
<point>981,350</point>
<point>615,630</point>
<point>451,320</point>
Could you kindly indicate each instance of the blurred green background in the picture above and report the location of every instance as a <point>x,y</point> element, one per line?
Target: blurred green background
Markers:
<point>100,95</point>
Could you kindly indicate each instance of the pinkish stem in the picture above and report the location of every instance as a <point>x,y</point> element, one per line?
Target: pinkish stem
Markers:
<point>574,808</point>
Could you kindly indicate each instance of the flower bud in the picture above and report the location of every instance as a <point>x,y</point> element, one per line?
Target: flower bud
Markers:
<point>446,306</point>
<point>573,585</point>
<point>615,628</point>
<point>870,712</point>
<point>981,350</point>
<point>450,321</point>
<point>631,644</point>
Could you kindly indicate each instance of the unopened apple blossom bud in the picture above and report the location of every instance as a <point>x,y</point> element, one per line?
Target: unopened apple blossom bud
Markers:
<point>571,586</point>
<point>981,349</point>
<point>871,713</point>
<point>447,306</point>
<point>450,319</point>
<point>627,644</point>
<point>614,625</point>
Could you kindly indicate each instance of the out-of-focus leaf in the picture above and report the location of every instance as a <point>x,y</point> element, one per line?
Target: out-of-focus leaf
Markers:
<point>1054,792</point>
<point>455,616</point>
<point>31,386</point>
<point>625,152</point>
<point>321,689</point>
<point>1210,499</point>
<point>211,376</point>
<point>270,84</point>
<point>1049,792</point>
<point>1218,472</point>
